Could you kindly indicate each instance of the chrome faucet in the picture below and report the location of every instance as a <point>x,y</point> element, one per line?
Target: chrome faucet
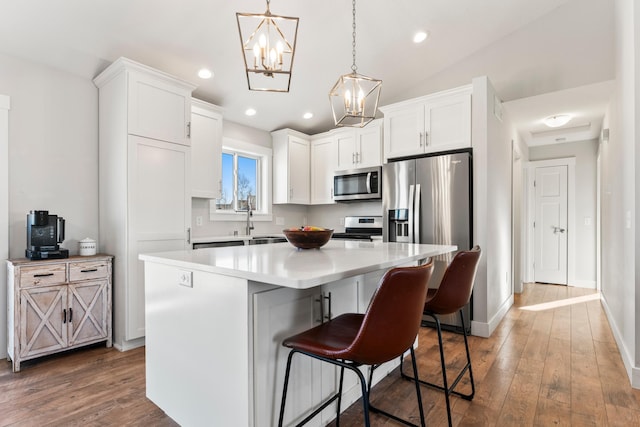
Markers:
<point>249,215</point>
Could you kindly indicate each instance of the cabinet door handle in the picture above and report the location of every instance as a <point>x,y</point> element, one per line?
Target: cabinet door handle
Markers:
<point>89,270</point>
<point>291,193</point>
<point>357,157</point>
<point>426,138</point>
<point>189,130</point>
<point>64,315</point>
<point>420,139</point>
<point>353,158</point>
<point>70,315</point>
<point>43,275</point>
<point>189,235</point>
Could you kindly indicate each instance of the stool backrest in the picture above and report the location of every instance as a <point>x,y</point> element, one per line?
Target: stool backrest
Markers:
<point>457,283</point>
<point>393,318</point>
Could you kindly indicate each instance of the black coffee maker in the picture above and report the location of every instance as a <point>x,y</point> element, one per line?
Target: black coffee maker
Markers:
<point>44,232</point>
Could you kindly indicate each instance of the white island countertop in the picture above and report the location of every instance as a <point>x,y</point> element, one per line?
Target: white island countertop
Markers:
<point>283,265</point>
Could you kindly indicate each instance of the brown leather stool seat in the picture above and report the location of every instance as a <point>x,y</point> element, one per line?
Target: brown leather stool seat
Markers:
<point>386,331</point>
<point>450,297</point>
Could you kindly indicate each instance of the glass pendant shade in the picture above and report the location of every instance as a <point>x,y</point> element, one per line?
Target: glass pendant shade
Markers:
<point>268,47</point>
<point>354,100</point>
<point>354,97</point>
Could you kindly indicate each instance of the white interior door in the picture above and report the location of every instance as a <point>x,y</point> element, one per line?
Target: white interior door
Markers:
<point>550,235</point>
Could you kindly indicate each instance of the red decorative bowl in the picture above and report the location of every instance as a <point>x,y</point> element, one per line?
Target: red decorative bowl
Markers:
<point>308,239</point>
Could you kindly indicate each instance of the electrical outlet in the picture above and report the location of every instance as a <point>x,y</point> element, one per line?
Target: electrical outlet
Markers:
<point>185,278</point>
<point>199,221</point>
<point>279,220</point>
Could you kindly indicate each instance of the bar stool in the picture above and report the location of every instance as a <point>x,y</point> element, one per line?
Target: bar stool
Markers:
<point>386,331</point>
<point>452,295</point>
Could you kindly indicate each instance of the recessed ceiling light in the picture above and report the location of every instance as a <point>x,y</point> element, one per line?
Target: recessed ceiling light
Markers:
<point>205,73</point>
<point>557,121</point>
<point>420,36</point>
<point>250,112</point>
<point>307,115</point>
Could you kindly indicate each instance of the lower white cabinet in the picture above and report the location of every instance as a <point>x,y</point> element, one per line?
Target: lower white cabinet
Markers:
<point>56,305</point>
<point>284,312</point>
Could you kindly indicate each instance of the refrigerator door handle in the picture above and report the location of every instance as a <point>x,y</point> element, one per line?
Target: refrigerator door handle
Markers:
<point>416,214</point>
<point>411,213</point>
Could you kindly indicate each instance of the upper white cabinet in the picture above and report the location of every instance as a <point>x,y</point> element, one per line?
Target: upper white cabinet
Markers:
<point>360,147</point>
<point>432,123</point>
<point>206,150</point>
<point>144,180</point>
<point>324,161</point>
<point>157,105</point>
<point>291,151</point>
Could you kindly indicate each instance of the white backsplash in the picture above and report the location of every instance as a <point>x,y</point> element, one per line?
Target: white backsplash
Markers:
<point>328,216</point>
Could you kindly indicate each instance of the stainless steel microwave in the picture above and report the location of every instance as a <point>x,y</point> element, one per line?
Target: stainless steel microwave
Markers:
<point>357,184</point>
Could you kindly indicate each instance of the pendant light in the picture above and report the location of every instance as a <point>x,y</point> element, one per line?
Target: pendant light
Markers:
<point>268,47</point>
<point>354,97</point>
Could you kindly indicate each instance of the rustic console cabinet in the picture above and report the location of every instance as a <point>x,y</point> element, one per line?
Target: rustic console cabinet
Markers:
<point>56,305</point>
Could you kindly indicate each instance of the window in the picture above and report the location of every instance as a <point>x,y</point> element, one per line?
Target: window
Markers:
<point>240,182</point>
<point>246,181</point>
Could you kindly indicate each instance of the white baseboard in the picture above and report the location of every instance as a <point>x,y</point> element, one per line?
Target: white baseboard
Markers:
<point>588,284</point>
<point>129,345</point>
<point>483,329</point>
<point>633,372</point>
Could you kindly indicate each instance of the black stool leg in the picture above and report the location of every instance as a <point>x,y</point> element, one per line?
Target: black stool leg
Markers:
<point>444,370</point>
<point>466,346</point>
<point>284,390</point>
<point>340,395</point>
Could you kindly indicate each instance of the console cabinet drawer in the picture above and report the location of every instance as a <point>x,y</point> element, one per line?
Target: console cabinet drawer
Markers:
<point>88,270</point>
<point>43,275</point>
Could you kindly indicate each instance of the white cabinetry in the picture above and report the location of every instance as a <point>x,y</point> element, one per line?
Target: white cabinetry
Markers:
<point>324,162</point>
<point>284,312</point>
<point>206,150</point>
<point>361,147</point>
<point>144,180</point>
<point>432,123</point>
<point>56,305</point>
<point>290,167</point>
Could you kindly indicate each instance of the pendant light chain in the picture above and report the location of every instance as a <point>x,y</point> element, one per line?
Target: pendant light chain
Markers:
<point>354,68</point>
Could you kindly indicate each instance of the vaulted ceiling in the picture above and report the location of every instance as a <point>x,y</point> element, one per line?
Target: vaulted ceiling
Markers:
<point>526,48</point>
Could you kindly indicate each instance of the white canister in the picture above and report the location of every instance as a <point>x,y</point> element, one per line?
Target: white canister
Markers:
<point>87,247</point>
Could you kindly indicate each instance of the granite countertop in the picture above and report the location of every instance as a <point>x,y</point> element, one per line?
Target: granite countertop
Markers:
<point>283,265</point>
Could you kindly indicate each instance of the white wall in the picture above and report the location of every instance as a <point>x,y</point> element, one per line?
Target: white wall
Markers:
<point>52,154</point>
<point>53,149</point>
<point>491,139</point>
<point>520,157</point>
<point>585,153</point>
<point>619,186</point>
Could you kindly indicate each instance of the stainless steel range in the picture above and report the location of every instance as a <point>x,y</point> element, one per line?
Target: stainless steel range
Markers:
<point>361,228</point>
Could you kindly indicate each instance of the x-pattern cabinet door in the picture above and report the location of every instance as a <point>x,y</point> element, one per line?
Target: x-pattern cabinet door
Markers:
<point>43,313</point>
<point>88,311</point>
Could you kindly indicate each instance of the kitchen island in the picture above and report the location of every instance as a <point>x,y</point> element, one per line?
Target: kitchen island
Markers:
<point>215,320</point>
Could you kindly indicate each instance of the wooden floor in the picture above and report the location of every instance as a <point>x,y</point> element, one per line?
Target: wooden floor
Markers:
<point>554,366</point>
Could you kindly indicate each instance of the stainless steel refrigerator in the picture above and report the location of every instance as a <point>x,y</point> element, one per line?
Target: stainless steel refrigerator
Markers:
<point>428,199</point>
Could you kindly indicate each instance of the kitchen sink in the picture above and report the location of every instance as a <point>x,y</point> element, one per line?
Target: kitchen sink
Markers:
<point>263,240</point>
